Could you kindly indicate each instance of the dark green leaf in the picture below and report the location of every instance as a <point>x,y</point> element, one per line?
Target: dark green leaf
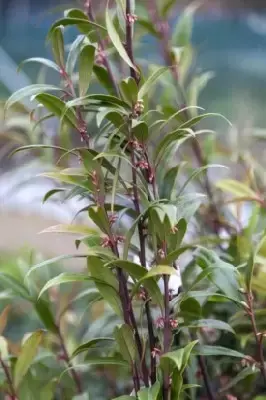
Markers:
<point>58,108</point>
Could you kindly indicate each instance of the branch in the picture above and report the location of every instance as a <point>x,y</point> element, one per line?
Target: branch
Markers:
<point>9,379</point>
<point>66,358</point>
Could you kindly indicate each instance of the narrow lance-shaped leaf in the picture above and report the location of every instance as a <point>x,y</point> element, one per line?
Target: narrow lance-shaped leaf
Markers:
<point>27,355</point>
<point>116,39</point>
<point>40,60</point>
<point>58,108</point>
<point>29,91</point>
<point>145,88</point>
<point>125,339</point>
<point>86,61</point>
<point>91,344</point>
<point>64,278</point>
<point>58,46</point>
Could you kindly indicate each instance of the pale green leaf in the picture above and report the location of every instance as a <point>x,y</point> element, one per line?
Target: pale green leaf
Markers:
<point>86,61</point>
<point>28,353</point>
<point>116,39</point>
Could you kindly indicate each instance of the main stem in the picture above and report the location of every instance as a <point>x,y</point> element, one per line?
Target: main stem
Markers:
<point>142,255</point>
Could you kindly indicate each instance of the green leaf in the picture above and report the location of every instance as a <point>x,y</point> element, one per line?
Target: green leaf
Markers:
<point>197,172</point>
<point>40,60</point>
<point>116,39</point>
<point>129,90</point>
<point>73,54</point>
<point>150,393</point>
<point>240,377</point>
<point>53,261</point>
<point>64,277</point>
<point>183,31</point>
<point>105,361</point>
<point>86,61</point>
<point>104,78</point>
<point>91,344</point>
<point>106,283</point>
<point>205,350</point>
<point>58,108</point>
<point>57,40</point>
<point>28,353</point>
<point>211,323</point>
<point>29,91</point>
<point>125,398</point>
<point>140,130</point>
<point>195,120</point>
<point>178,358</point>
<point>169,183</point>
<point>100,218</point>
<point>146,87</point>
<point>124,337</point>
<point>17,288</point>
<point>43,309</point>
<point>51,192</point>
<point>84,25</point>
<point>71,228</point>
<point>236,188</point>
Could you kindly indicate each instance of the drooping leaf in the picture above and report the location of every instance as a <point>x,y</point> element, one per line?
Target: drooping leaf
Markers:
<point>84,25</point>
<point>58,108</point>
<point>40,60</point>
<point>205,350</point>
<point>64,277</point>
<point>28,353</point>
<point>53,260</point>
<point>52,192</point>
<point>91,344</point>
<point>29,91</point>
<point>211,323</point>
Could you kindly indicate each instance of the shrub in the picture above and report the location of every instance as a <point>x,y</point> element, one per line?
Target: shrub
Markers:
<point>179,314</point>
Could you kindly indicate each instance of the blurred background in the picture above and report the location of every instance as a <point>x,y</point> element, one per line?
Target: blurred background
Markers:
<point>229,38</point>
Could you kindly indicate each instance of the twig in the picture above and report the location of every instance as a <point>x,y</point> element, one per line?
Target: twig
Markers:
<point>9,379</point>
<point>142,255</point>
<point>66,358</point>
